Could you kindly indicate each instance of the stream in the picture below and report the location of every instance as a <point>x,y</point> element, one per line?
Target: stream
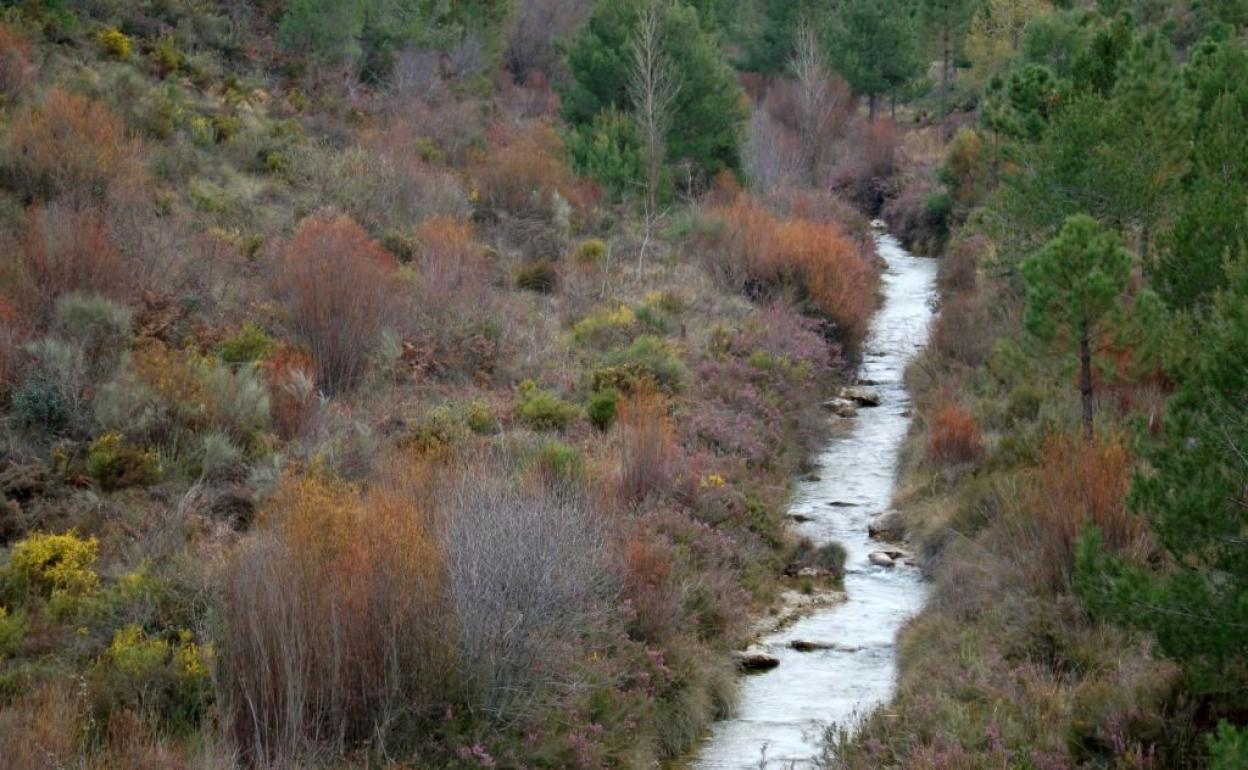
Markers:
<point>781,714</point>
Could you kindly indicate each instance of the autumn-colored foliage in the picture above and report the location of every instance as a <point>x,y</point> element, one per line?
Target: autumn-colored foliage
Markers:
<point>15,66</point>
<point>525,168</point>
<point>335,631</point>
<point>63,249</point>
<point>291,376</point>
<point>647,584</point>
<point>953,437</point>
<point>449,258</point>
<point>815,257</point>
<point>1079,484</point>
<point>647,447</point>
<point>69,143</point>
<point>338,286</point>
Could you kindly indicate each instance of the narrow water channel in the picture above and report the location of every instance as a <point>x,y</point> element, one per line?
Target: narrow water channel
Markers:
<point>781,714</point>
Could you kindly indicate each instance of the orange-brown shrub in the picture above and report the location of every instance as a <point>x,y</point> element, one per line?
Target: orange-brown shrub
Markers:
<point>336,629</point>
<point>450,260</point>
<point>339,288</point>
<point>525,167</point>
<point>16,70</point>
<point>647,447</point>
<point>69,143</point>
<point>291,376</point>
<point>953,437</point>
<point>1077,484</point>
<point>815,257</point>
<point>63,249</point>
<point>646,584</point>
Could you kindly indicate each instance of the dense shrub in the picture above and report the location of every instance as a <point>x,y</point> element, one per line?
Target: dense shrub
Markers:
<point>115,464</point>
<point>451,263</point>
<point>1078,484</point>
<point>69,143</point>
<point>335,636</point>
<point>647,360</point>
<point>339,288</point>
<point>65,249</point>
<point>51,397</point>
<point>48,565</point>
<point>541,409</point>
<point>758,252</point>
<point>646,448</point>
<point>525,174</point>
<point>99,326</point>
<point>16,69</point>
<point>603,407</point>
<point>166,682</point>
<point>539,276</point>
<point>953,437</point>
<point>250,344</point>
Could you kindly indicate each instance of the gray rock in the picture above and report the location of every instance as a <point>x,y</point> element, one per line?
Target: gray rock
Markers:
<point>861,396</point>
<point>756,660</point>
<point>887,526</point>
<point>841,407</point>
<point>881,559</point>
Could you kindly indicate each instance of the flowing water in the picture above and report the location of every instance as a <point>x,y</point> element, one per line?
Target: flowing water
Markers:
<point>782,713</point>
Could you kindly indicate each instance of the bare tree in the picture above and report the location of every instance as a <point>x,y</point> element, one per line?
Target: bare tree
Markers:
<point>823,100</point>
<point>653,86</point>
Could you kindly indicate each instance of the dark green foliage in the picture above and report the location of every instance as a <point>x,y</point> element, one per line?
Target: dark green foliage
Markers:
<point>603,408</point>
<point>709,110</point>
<point>1192,491</point>
<point>540,276</point>
<point>40,404</point>
<point>251,343</point>
<point>874,45</point>
<point>609,150</point>
<point>1072,285</point>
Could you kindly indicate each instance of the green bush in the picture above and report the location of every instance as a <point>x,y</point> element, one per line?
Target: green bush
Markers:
<point>651,358</point>
<point>481,419</point>
<point>115,43</point>
<point>1228,747</point>
<point>559,460</point>
<point>609,150</point>
<point>540,276</point>
<point>166,681</point>
<point>115,464</point>
<point>99,326</point>
<point>604,405</point>
<point>439,428</point>
<point>591,252</point>
<point>40,404</point>
<point>605,327</point>
<point>219,457</point>
<point>12,629</point>
<point>543,410</point>
<point>51,565</point>
<point>251,343</point>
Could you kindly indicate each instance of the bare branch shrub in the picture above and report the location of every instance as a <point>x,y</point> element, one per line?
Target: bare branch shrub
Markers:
<point>528,576</point>
<point>339,287</point>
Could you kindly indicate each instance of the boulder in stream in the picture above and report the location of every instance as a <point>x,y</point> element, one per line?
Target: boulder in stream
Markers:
<point>881,559</point>
<point>887,526</point>
<point>841,407</point>
<point>861,396</point>
<point>752,661</point>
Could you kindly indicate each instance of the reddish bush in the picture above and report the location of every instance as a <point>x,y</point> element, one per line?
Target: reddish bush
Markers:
<point>69,143</point>
<point>291,376</point>
<point>63,249</point>
<point>816,258</point>
<point>1078,484</point>
<point>953,437</point>
<point>646,584</point>
<point>450,260</point>
<point>339,287</point>
<point>335,621</point>
<point>16,70</point>
<point>647,447</point>
<point>526,167</point>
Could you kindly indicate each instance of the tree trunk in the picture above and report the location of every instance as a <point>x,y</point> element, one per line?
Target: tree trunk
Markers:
<point>871,107</point>
<point>892,109</point>
<point>1085,382</point>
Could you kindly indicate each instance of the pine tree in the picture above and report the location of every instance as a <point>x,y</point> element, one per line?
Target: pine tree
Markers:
<point>1073,284</point>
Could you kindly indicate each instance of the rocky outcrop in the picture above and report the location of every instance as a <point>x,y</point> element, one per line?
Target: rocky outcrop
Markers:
<point>887,526</point>
<point>841,407</point>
